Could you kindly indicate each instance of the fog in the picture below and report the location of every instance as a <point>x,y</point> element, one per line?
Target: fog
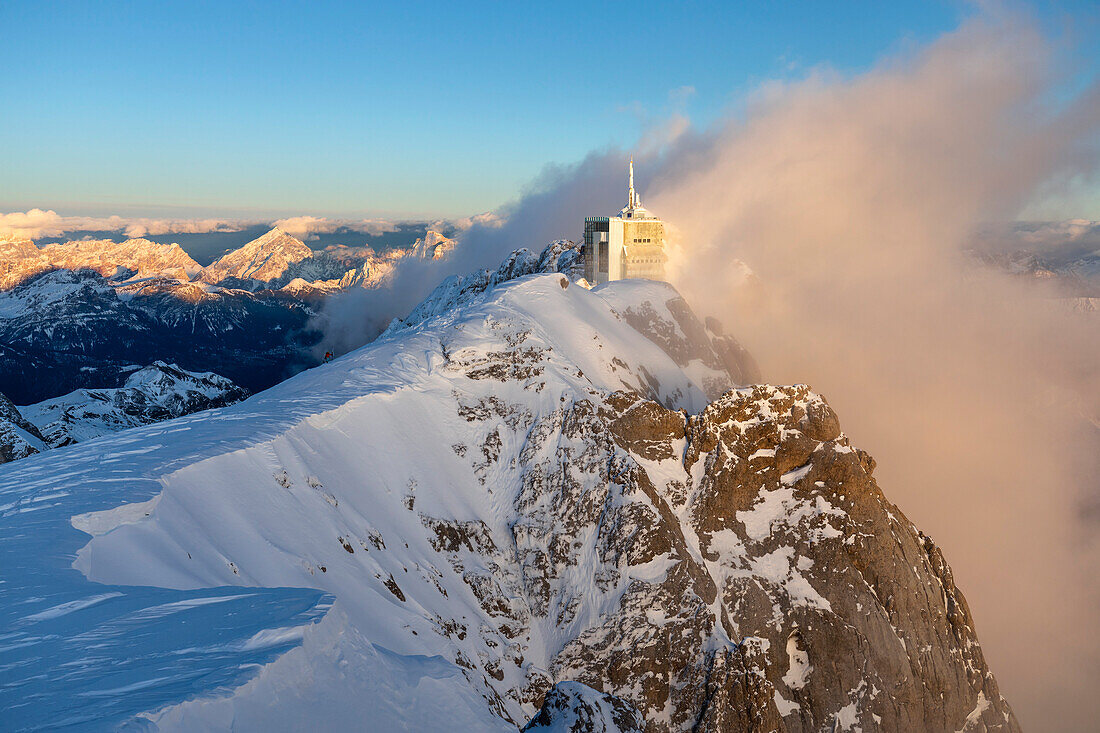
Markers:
<point>852,199</point>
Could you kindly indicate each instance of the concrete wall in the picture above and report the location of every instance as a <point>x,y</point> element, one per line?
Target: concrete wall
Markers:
<point>635,249</point>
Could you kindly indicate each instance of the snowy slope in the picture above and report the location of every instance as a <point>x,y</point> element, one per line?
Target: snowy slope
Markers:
<point>525,485</point>
<point>221,472</point>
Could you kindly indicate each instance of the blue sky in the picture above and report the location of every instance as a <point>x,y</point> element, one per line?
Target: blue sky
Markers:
<point>385,109</point>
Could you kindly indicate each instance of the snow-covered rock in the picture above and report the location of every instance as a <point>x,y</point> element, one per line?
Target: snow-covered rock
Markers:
<point>19,259</point>
<point>261,261</point>
<point>154,393</point>
<point>278,260</point>
<point>560,256</point>
<point>18,437</point>
<point>432,246</point>
<point>525,483</point>
<point>133,258</point>
<point>571,707</point>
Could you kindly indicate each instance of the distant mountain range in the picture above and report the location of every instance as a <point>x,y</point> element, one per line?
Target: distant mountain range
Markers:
<point>157,392</point>
<point>74,315</point>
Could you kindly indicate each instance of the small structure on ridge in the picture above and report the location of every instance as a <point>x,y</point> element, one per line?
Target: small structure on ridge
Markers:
<point>630,245</point>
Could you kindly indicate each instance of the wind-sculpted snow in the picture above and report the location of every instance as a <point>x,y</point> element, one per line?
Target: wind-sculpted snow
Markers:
<point>89,656</point>
<point>526,486</point>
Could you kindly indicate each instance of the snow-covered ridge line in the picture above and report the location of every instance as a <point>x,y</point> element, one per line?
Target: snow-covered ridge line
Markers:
<point>527,484</point>
<point>274,261</point>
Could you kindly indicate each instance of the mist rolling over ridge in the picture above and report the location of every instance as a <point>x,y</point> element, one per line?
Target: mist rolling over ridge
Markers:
<point>828,227</point>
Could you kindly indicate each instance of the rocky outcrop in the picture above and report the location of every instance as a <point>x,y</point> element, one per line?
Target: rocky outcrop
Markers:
<point>157,392</point>
<point>18,437</point>
<point>571,707</point>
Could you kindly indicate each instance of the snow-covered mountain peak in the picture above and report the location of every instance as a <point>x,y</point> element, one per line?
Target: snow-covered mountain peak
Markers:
<point>261,261</point>
<point>527,485</point>
<point>130,259</point>
<point>432,246</point>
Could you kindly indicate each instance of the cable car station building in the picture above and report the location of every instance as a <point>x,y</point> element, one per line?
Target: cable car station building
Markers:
<point>630,245</point>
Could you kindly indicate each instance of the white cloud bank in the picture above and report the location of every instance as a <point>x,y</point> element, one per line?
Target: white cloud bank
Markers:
<point>306,227</point>
<point>38,223</point>
<point>852,199</point>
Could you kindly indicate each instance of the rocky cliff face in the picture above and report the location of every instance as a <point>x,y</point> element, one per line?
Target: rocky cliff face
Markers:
<point>795,597</point>
<point>527,484</point>
<point>18,437</point>
<point>133,258</point>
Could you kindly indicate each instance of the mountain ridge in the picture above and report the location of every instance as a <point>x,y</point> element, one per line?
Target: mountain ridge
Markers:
<point>72,315</point>
<point>530,486</point>
<point>269,261</point>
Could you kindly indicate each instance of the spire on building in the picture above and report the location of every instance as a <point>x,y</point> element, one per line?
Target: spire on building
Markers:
<point>631,197</point>
<point>630,245</point>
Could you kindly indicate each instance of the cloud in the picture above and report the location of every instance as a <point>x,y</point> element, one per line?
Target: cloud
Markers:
<point>310,226</point>
<point>853,199</point>
<point>155,227</point>
<point>38,223</point>
<point>488,219</point>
